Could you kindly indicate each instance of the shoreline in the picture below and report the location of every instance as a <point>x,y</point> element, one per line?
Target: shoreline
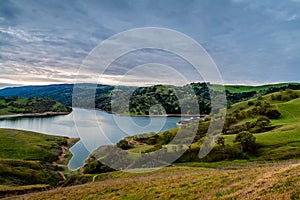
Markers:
<point>33,114</point>
<point>162,115</point>
<point>165,115</point>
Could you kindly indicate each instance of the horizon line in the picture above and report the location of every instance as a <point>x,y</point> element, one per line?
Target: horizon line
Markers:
<point>68,83</point>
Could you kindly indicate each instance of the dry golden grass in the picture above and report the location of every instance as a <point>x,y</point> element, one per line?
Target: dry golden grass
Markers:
<point>272,181</point>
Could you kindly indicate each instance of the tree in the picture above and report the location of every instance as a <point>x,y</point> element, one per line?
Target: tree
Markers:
<point>221,141</point>
<point>246,140</point>
<point>96,167</point>
<point>124,144</point>
<point>273,114</point>
<point>250,103</point>
<point>261,125</point>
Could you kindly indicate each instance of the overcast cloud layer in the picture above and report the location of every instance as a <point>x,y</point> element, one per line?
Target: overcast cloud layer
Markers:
<point>252,42</point>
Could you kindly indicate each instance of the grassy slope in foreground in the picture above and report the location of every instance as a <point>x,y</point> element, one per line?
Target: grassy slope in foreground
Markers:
<point>280,181</point>
<point>16,105</point>
<point>26,159</point>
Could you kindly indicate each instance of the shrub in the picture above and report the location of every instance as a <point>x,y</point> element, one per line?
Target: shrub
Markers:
<point>250,103</point>
<point>124,144</point>
<point>273,114</point>
<point>227,152</point>
<point>221,141</point>
<point>96,167</point>
<point>258,103</point>
<point>3,106</point>
<point>246,140</point>
<point>154,148</point>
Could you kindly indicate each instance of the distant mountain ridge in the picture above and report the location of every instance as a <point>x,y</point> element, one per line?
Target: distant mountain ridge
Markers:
<point>145,97</point>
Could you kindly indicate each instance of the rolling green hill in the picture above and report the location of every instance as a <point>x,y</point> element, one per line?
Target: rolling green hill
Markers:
<point>273,121</point>
<point>17,105</point>
<point>282,142</point>
<point>249,88</point>
<point>27,161</point>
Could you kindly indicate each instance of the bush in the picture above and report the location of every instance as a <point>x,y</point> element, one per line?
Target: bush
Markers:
<point>3,106</point>
<point>257,103</point>
<point>221,141</point>
<point>273,114</point>
<point>227,152</point>
<point>218,153</point>
<point>96,167</point>
<point>285,96</point>
<point>246,140</point>
<point>250,103</point>
<point>124,144</point>
<point>154,148</point>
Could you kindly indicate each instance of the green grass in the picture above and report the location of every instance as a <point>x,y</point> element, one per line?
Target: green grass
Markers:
<point>140,148</point>
<point>246,88</point>
<point>20,173</point>
<point>25,145</point>
<point>282,142</point>
<point>215,165</point>
<point>26,157</point>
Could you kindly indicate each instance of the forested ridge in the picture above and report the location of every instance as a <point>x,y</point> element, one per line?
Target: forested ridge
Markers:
<point>144,98</point>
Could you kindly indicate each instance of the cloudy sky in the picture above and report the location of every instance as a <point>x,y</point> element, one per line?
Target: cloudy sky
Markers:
<point>251,41</point>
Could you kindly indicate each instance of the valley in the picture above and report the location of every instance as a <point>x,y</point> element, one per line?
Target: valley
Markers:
<point>256,156</point>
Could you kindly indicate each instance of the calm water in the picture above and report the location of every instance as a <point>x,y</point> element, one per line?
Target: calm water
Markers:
<point>94,128</point>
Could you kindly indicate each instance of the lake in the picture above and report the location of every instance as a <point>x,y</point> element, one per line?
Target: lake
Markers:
<point>94,128</point>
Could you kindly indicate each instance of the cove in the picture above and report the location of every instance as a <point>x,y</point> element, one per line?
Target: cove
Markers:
<point>94,128</point>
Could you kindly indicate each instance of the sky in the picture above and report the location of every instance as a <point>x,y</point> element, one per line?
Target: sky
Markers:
<point>250,41</point>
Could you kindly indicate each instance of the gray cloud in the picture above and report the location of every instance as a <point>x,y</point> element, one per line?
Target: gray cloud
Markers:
<point>250,41</point>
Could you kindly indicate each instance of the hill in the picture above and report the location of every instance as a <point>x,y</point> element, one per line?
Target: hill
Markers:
<point>282,140</point>
<point>17,105</point>
<point>28,161</point>
<point>144,98</point>
<point>270,124</point>
<point>265,181</point>
<point>61,92</point>
<point>228,172</point>
<point>250,88</point>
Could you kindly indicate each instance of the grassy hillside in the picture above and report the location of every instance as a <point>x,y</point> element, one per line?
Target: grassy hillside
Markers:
<point>24,145</point>
<point>282,142</point>
<point>28,160</point>
<point>17,105</point>
<point>273,181</point>
<point>249,88</point>
<point>272,120</point>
